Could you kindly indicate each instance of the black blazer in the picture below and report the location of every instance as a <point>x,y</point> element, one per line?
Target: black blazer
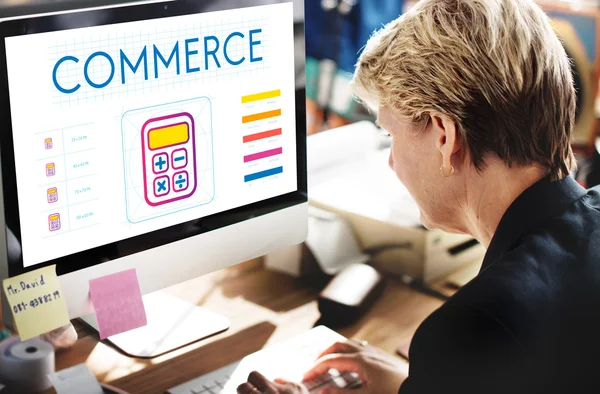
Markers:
<point>530,321</point>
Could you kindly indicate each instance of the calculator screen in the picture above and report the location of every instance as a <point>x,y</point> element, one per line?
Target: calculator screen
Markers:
<point>138,125</point>
<point>164,137</point>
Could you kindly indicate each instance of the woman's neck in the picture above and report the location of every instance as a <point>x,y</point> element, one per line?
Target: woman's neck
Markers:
<point>490,194</point>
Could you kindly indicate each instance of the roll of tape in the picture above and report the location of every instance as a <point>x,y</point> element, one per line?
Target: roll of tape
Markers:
<point>25,366</point>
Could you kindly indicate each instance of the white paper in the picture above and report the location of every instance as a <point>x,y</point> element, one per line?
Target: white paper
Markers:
<point>75,380</point>
<point>338,146</point>
<point>348,171</point>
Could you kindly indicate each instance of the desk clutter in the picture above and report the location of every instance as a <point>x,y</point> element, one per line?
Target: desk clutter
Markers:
<point>29,367</point>
<point>39,306</point>
<point>41,318</point>
<point>26,365</point>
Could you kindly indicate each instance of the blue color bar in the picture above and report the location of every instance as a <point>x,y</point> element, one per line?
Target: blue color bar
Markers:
<point>263,174</point>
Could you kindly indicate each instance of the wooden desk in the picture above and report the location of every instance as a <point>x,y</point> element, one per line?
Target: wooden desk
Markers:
<point>264,308</point>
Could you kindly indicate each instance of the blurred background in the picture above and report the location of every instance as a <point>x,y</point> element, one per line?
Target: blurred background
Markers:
<point>337,30</point>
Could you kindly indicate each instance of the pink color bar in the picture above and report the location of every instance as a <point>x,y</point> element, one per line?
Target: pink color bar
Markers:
<point>262,155</point>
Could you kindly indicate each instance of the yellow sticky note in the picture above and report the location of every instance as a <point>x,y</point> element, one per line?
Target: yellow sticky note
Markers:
<point>37,302</point>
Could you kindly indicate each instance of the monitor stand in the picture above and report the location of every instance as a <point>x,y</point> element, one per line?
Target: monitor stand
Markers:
<point>172,323</point>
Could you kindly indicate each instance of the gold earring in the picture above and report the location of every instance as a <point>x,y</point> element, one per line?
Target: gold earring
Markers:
<point>444,174</point>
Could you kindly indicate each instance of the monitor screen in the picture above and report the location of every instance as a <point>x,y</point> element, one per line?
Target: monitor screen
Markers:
<point>122,129</point>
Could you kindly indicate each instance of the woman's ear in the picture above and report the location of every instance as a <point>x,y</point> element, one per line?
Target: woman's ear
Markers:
<point>447,138</point>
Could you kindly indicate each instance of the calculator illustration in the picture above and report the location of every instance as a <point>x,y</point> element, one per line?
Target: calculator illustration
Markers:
<point>52,195</point>
<point>169,158</point>
<point>54,222</point>
<point>50,169</point>
<point>48,143</point>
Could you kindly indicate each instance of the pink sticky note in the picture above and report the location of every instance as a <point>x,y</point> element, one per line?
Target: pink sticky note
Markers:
<point>118,303</point>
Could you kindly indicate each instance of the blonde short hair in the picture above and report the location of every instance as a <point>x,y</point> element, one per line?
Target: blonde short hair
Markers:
<point>495,67</point>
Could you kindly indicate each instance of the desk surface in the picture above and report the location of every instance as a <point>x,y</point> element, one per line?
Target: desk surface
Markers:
<point>264,308</point>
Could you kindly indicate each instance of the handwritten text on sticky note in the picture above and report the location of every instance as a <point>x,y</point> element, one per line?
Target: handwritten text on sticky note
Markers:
<point>118,303</point>
<point>37,302</point>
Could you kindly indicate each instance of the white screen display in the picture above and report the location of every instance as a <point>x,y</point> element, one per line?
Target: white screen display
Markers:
<point>123,129</point>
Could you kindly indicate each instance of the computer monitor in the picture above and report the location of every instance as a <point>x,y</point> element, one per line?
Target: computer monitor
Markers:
<point>168,137</point>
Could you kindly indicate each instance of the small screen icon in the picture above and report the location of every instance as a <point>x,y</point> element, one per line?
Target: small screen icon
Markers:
<point>52,195</point>
<point>50,169</point>
<point>54,222</point>
<point>48,143</point>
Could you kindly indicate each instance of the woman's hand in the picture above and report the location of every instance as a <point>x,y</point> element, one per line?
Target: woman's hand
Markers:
<point>379,372</point>
<point>258,384</point>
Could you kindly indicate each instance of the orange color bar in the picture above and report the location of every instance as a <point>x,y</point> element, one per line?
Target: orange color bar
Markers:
<point>261,116</point>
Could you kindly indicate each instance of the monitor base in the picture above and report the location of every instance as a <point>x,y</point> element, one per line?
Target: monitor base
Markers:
<point>172,323</point>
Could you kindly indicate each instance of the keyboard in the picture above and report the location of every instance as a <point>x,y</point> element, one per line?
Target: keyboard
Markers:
<point>288,360</point>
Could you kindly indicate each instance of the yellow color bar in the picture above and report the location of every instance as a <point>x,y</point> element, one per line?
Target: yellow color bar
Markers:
<point>52,190</point>
<point>50,165</point>
<point>261,116</point>
<point>54,217</point>
<point>168,136</point>
<point>260,96</point>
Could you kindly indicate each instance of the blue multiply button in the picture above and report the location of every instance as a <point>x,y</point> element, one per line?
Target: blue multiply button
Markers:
<point>161,186</point>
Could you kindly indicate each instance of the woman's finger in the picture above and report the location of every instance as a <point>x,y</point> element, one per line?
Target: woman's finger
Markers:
<point>341,362</point>
<point>341,347</point>
<point>260,382</point>
<point>245,388</point>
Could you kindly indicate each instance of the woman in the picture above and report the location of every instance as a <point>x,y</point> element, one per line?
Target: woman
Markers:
<point>478,98</point>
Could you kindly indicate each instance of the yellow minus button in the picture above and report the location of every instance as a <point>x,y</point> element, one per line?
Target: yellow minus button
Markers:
<point>164,137</point>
